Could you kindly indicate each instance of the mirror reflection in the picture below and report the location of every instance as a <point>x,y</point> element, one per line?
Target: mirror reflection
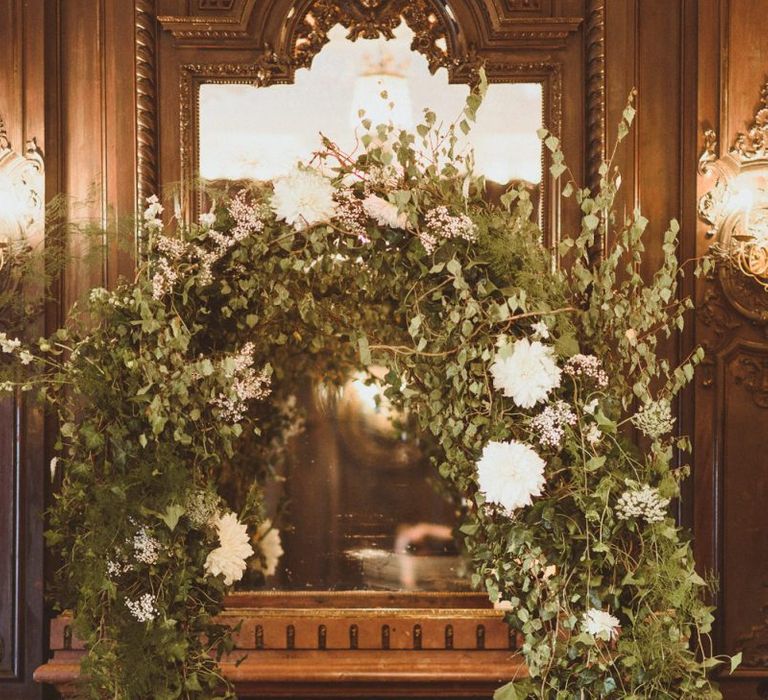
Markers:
<point>247,132</point>
<point>357,504</point>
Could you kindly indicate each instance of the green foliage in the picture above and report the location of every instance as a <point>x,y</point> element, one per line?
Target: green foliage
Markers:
<point>149,376</point>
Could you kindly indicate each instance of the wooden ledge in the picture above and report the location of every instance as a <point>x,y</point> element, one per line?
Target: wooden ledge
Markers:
<point>323,652</point>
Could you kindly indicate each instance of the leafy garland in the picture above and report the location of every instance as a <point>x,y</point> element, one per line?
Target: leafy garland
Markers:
<point>528,378</point>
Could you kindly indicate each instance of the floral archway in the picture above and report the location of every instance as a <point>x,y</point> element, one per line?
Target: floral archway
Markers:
<point>528,375</point>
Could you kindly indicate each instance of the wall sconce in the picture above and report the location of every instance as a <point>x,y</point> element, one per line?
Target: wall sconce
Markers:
<point>22,184</point>
<point>736,210</point>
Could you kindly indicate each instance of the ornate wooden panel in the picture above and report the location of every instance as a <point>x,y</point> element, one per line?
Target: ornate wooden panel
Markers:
<point>22,485</point>
<point>731,393</point>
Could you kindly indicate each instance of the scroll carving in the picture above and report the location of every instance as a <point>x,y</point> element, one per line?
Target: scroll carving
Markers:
<point>751,372</point>
<point>370,19</point>
<point>23,176</point>
<point>146,102</point>
<point>743,272</point>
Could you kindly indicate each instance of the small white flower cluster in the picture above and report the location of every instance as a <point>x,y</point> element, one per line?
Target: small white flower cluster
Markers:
<point>247,385</point>
<point>601,624</point>
<point>98,294</point>
<point>9,345</point>
<point>442,225</point>
<point>350,213</point>
<point>172,248</point>
<point>551,423</point>
<point>249,217</point>
<point>201,506</point>
<point>383,177</point>
<point>645,502</point>
<point>164,279</point>
<point>587,367</point>
<point>145,547</point>
<point>116,567</point>
<point>144,609</point>
<point>654,419</point>
<point>152,220</point>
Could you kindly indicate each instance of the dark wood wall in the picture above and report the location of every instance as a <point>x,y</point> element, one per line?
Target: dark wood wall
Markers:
<point>68,76</point>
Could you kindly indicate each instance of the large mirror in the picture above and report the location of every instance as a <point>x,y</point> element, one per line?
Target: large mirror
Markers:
<point>372,514</point>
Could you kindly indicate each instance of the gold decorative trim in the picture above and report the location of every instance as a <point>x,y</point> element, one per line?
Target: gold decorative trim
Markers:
<point>23,175</point>
<point>743,274</point>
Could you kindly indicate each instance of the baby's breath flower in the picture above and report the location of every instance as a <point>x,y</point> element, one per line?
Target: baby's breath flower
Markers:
<point>587,367</point>
<point>442,225</point>
<point>145,547</point>
<point>550,424</point>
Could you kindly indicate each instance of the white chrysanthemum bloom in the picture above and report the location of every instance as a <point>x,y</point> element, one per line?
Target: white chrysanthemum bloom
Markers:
<point>526,374</point>
<point>510,474</point>
<point>601,624</point>
<point>645,502</point>
<point>654,419</point>
<point>303,198</point>
<point>228,559</point>
<point>384,213</point>
<point>268,540</point>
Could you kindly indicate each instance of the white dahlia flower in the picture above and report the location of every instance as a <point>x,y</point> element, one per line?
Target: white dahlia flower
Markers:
<point>526,374</point>
<point>268,540</point>
<point>509,474</point>
<point>384,213</point>
<point>303,198</point>
<point>234,548</point>
<point>601,624</point>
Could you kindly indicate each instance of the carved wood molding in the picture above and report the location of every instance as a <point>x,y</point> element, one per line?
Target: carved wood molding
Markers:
<point>195,27</point>
<point>146,103</point>
<point>594,34</point>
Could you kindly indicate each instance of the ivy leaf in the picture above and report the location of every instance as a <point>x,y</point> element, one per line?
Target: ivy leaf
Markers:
<point>172,515</point>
